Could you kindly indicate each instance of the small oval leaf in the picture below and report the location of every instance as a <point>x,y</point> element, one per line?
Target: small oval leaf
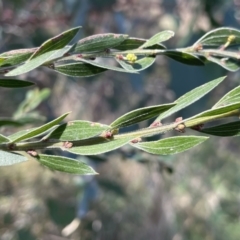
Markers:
<point>157,38</point>
<point>36,131</point>
<point>140,115</point>
<point>64,164</point>
<point>77,130</point>
<point>79,69</point>
<point>98,145</point>
<point>99,42</point>
<point>14,83</point>
<point>170,145</point>
<point>9,158</point>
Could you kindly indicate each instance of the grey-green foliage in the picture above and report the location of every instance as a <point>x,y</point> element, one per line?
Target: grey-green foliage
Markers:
<point>86,58</point>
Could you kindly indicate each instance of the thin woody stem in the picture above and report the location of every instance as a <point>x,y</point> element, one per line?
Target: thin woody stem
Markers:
<point>56,144</point>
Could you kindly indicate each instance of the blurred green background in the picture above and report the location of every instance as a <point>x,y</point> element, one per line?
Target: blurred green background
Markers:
<point>189,196</point>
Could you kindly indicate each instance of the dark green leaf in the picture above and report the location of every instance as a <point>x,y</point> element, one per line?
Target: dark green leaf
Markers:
<point>99,42</point>
<point>133,43</point>
<point>184,57</point>
<point>140,115</point>
<point>101,65</point>
<point>77,130</point>
<point>79,69</point>
<point>64,164</point>
<point>139,65</point>
<point>9,122</point>
<point>35,132</point>
<point>14,83</point>
<point>170,145</point>
<point>219,36</point>
<point>157,38</point>
<point>230,98</point>
<point>191,97</point>
<point>56,43</point>
<point>3,139</point>
<point>224,130</point>
<point>98,145</point>
<point>7,158</point>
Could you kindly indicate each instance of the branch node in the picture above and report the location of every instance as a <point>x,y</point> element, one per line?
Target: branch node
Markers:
<point>67,144</point>
<point>32,153</point>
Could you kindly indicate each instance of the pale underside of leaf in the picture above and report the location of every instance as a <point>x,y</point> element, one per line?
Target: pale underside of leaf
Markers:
<point>170,145</point>
<point>191,97</point>
<point>98,145</point>
<point>9,158</point>
<point>65,164</point>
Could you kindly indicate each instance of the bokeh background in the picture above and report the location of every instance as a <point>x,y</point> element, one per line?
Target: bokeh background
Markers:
<point>189,196</point>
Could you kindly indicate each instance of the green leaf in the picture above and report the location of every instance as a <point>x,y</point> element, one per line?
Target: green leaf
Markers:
<point>224,130</point>
<point>219,36</point>
<point>98,145</point>
<point>7,158</point>
<point>64,164</point>
<point>35,132</point>
<point>157,38</point>
<point>79,69</point>
<point>15,57</point>
<point>191,97</point>
<point>10,122</point>
<point>140,115</point>
<point>139,65</point>
<point>50,50</point>
<point>230,98</point>
<point>32,100</point>
<point>77,130</point>
<point>101,65</point>
<point>56,43</point>
<point>184,57</point>
<point>213,113</point>
<point>170,145</point>
<point>38,61</point>
<point>3,139</point>
<point>14,83</point>
<point>99,42</point>
<point>133,43</point>
<point>31,118</point>
<point>229,64</point>
<point>25,131</point>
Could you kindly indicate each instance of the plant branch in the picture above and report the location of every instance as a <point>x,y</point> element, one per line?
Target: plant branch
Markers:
<point>145,132</point>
